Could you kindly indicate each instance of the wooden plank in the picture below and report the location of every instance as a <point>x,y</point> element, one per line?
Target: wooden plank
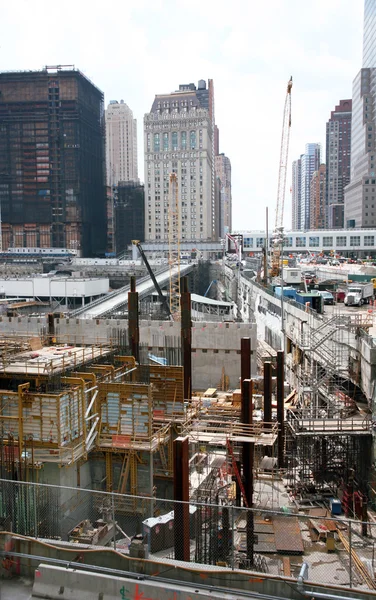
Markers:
<point>286,566</point>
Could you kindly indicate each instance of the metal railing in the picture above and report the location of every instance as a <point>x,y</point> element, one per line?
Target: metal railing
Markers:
<point>113,294</point>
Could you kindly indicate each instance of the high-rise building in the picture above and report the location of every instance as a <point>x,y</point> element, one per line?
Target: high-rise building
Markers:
<point>121,143</point>
<point>216,140</point>
<point>179,138</point>
<point>369,35</point>
<point>317,199</point>
<point>129,212</point>
<point>302,171</point>
<point>223,172</point>
<point>110,204</point>
<point>296,193</point>
<point>338,152</point>
<point>360,195</point>
<point>310,161</point>
<point>52,164</point>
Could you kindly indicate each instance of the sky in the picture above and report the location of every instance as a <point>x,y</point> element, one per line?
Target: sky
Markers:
<point>134,49</point>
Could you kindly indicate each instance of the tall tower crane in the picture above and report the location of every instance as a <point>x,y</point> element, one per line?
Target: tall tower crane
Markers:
<point>174,247</point>
<point>278,230</point>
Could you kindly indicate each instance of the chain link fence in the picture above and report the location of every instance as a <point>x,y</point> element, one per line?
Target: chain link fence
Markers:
<point>338,551</point>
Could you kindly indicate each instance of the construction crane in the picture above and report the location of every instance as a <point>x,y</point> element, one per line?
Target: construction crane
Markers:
<point>278,230</point>
<point>174,247</point>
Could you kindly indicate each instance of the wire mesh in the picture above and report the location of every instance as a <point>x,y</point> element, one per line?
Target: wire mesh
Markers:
<point>337,550</point>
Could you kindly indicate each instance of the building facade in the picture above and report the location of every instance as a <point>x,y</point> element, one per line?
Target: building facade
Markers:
<point>317,199</point>
<point>129,213</point>
<point>110,208</point>
<point>296,194</point>
<point>302,171</point>
<point>310,162</point>
<point>338,154</point>
<point>223,172</point>
<point>52,163</point>
<point>121,143</point>
<point>360,196</point>
<point>179,138</point>
<point>369,35</point>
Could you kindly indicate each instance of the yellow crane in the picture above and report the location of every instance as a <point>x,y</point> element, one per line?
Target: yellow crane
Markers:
<point>279,212</point>
<point>174,246</point>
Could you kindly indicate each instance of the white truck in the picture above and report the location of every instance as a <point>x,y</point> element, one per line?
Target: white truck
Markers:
<point>358,294</point>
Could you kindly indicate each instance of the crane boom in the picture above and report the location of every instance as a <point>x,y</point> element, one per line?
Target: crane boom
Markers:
<point>174,247</point>
<point>283,159</point>
<point>282,173</point>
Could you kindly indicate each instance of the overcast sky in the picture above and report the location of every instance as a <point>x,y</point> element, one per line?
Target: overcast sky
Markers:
<point>133,49</point>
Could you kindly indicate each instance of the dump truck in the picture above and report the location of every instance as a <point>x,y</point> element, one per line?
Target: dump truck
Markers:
<point>359,294</point>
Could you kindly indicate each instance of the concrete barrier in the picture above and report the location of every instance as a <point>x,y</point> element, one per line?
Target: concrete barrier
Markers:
<point>58,583</point>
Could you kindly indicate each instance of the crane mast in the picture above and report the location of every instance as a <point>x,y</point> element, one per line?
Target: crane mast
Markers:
<point>174,247</point>
<point>279,213</point>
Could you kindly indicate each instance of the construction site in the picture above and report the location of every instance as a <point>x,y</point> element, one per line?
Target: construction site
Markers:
<point>202,443</point>
<point>103,443</point>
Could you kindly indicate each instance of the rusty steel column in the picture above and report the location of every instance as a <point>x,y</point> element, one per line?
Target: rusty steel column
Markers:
<point>268,393</point>
<point>181,495</point>
<point>186,336</point>
<point>51,329</point>
<point>281,407</point>
<point>245,367</point>
<point>248,459</point>
<point>245,357</point>
<point>133,324</point>
<point>238,493</point>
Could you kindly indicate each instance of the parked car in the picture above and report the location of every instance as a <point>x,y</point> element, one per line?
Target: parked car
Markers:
<point>327,297</point>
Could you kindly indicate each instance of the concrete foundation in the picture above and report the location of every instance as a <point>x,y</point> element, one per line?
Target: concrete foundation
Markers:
<point>215,346</point>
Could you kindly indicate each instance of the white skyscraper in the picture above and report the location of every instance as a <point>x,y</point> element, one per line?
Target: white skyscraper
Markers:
<point>179,138</point>
<point>121,143</point>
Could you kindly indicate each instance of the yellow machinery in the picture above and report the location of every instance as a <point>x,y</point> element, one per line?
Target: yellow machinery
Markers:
<point>174,247</point>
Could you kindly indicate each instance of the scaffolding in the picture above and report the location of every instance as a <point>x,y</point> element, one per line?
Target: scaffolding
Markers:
<point>329,422</point>
<point>325,363</point>
<point>323,455</point>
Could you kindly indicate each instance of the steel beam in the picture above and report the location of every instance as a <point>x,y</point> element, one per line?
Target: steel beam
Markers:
<point>186,336</point>
<point>248,460</point>
<point>245,368</point>
<point>133,320</point>
<point>281,407</point>
<point>181,495</point>
<point>268,393</point>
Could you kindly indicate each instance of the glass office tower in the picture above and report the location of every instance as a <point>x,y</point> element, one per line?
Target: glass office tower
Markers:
<point>369,34</point>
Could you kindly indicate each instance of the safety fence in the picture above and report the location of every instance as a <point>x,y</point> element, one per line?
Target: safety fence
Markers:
<point>338,550</point>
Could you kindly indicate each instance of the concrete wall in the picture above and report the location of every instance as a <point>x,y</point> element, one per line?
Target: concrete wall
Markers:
<point>51,580</point>
<point>266,309</point>
<point>215,346</point>
<point>75,504</point>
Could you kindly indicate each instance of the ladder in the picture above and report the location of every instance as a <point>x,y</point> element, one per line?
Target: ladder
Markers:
<point>236,471</point>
